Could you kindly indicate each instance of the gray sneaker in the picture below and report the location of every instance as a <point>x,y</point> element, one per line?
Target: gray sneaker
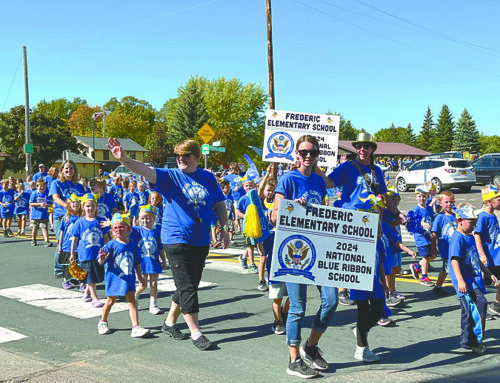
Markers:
<point>262,286</point>
<point>279,328</point>
<point>174,332</point>
<point>314,356</point>
<point>494,308</point>
<point>392,301</point>
<point>300,369</point>
<point>344,299</point>
<point>243,262</point>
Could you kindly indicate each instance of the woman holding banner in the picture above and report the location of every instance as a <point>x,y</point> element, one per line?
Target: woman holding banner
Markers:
<point>304,186</point>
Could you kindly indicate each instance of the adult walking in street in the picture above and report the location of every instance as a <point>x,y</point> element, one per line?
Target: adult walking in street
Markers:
<point>60,190</point>
<point>304,186</point>
<point>191,196</point>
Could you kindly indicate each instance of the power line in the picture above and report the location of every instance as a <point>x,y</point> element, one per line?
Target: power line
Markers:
<point>11,84</point>
<point>396,41</point>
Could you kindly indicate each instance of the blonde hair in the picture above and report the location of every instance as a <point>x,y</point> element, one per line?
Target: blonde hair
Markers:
<point>446,193</point>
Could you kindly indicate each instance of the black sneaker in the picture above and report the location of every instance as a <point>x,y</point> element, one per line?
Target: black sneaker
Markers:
<point>313,354</point>
<point>344,299</point>
<point>300,369</point>
<point>49,244</point>
<point>174,332</point>
<point>33,243</point>
<point>203,343</point>
<point>279,328</point>
<point>10,232</point>
<point>438,290</point>
<point>5,233</point>
<point>262,286</point>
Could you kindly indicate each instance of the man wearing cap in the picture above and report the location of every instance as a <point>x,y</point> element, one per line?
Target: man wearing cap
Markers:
<point>41,173</point>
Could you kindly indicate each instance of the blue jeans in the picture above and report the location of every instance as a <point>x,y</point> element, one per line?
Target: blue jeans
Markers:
<point>297,293</point>
<point>58,269</point>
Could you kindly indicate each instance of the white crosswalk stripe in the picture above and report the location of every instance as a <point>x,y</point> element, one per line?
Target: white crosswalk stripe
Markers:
<point>7,335</point>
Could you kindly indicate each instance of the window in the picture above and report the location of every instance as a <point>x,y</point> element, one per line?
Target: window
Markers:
<point>105,155</point>
<point>132,155</point>
<point>436,164</point>
<point>459,164</point>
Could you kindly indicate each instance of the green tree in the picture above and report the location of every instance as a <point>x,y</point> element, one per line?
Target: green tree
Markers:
<point>158,145</point>
<point>466,134</point>
<point>189,113</point>
<point>426,135</point>
<point>393,134</point>
<point>489,144</point>
<point>81,121</point>
<point>409,137</point>
<point>48,134</point>
<point>443,139</point>
<point>61,107</point>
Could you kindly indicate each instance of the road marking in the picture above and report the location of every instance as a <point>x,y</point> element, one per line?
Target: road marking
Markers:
<point>7,335</point>
<point>166,283</point>
<point>58,300</point>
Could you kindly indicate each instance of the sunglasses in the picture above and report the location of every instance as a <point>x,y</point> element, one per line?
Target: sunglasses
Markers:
<point>364,146</point>
<point>314,153</point>
<point>181,156</point>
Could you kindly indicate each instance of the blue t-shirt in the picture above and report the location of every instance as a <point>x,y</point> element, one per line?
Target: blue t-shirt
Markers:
<point>117,192</point>
<point>463,248</point>
<point>120,265</point>
<point>67,231</point>
<point>243,204</point>
<point>347,176</point>
<point>22,204</point>
<point>143,197</point>
<point>444,226</point>
<point>7,197</point>
<point>423,236</point>
<point>64,191</point>
<point>293,185</point>
<point>159,217</point>
<point>487,227</point>
<point>132,200</point>
<point>189,204</point>
<point>38,175</point>
<point>236,185</point>
<point>149,244</point>
<point>105,205</point>
<point>90,237</point>
<point>229,201</point>
<point>38,212</point>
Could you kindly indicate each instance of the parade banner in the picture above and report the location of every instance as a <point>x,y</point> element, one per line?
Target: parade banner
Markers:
<point>323,245</point>
<point>284,128</point>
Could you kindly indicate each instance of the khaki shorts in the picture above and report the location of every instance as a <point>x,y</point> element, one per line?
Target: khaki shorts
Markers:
<point>277,290</point>
<point>39,223</point>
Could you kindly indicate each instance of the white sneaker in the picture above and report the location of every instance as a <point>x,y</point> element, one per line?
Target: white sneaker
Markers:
<point>139,332</point>
<point>355,332</point>
<point>102,328</point>
<point>364,354</point>
<point>155,310</point>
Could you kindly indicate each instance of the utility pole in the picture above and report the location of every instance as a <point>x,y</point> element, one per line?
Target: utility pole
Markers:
<point>103,122</point>
<point>270,67</point>
<point>27,125</point>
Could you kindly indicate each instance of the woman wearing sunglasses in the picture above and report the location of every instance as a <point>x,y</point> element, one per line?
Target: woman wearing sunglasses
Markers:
<point>304,186</point>
<point>191,196</point>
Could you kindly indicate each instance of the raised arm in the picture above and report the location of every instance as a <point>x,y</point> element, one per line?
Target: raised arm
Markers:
<point>328,181</point>
<point>137,167</point>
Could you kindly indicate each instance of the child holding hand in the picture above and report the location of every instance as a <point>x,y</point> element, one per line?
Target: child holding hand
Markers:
<point>121,258</point>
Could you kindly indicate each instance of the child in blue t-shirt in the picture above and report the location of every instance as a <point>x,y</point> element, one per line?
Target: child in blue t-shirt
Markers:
<point>73,213</point>
<point>122,262</point>
<point>443,227</point>
<point>156,200</point>
<point>39,204</point>
<point>22,201</point>
<point>6,207</point>
<point>90,237</point>
<point>131,202</point>
<point>151,253</point>
<point>106,204</point>
<point>116,190</point>
<point>465,273</point>
<point>229,201</point>
<point>423,235</point>
<point>487,236</point>
<point>142,193</point>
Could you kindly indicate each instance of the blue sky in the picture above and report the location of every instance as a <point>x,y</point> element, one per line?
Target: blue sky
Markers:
<point>376,62</point>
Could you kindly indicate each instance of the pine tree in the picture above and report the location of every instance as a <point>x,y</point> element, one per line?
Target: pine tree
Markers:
<point>409,137</point>
<point>466,135</point>
<point>190,113</point>
<point>443,140</point>
<point>426,135</point>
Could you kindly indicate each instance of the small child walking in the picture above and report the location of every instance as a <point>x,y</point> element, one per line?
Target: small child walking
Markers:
<point>151,254</point>
<point>122,262</point>
<point>465,273</point>
<point>22,201</point>
<point>39,204</point>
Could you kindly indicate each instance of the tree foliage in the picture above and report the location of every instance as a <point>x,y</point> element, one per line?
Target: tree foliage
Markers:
<point>393,134</point>
<point>466,135</point>
<point>489,144</point>
<point>49,136</point>
<point>60,107</point>
<point>426,135</point>
<point>443,139</point>
<point>81,121</point>
<point>158,145</point>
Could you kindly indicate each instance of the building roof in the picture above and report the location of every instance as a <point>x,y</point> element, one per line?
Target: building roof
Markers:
<point>76,158</point>
<point>387,149</point>
<point>100,143</point>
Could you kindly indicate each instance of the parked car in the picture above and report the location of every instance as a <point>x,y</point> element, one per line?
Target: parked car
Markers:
<point>444,173</point>
<point>487,168</point>
<point>122,171</point>
<point>450,154</point>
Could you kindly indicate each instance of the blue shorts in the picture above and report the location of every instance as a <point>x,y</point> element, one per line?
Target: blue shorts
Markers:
<point>424,251</point>
<point>6,214</point>
<point>396,259</point>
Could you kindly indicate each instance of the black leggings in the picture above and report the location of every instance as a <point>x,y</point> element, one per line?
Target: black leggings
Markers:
<point>369,312</point>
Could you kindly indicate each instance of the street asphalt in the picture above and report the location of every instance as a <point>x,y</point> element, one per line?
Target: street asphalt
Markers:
<point>49,335</point>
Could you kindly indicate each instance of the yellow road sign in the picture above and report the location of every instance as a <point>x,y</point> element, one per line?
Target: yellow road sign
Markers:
<point>206,133</point>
